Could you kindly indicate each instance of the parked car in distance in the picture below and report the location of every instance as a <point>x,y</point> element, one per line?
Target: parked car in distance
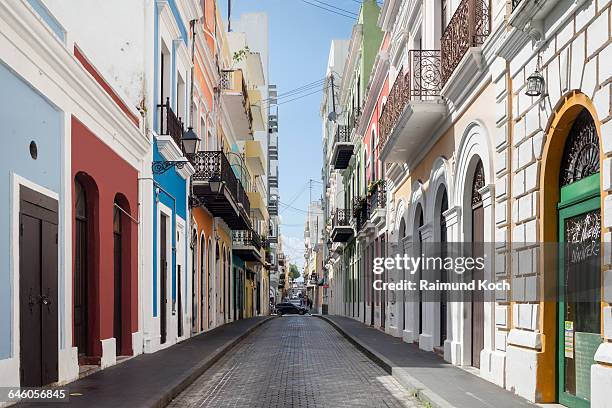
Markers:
<point>289,308</point>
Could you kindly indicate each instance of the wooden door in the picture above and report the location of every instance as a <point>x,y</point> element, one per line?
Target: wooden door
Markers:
<point>38,274</point>
<point>478,295</point>
<point>383,308</point>
<point>81,273</point>
<point>163,277</point>
<point>118,276</point>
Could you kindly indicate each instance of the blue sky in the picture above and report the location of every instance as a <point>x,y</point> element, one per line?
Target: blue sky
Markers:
<point>300,36</point>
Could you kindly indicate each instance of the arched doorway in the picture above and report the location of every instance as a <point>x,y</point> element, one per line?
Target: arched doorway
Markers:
<point>121,275</point>
<point>579,279</point>
<point>81,270</point>
<point>418,249</point>
<point>443,310</point>
<point>477,239</point>
<point>402,251</point>
<point>202,284</point>
<point>194,280</point>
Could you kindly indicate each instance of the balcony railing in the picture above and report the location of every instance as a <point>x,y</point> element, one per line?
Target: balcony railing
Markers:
<point>246,238</point>
<point>229,79</point>
<point>170,124</point>
<point>214,166</point>
<point>273,207</point>
<point>515,4</point>
<point>469,27</point>
<point>353,118</point>
<point>341,218</point>
<point>361,212</point>
<point>343,134</point>
<point>378,196</point>
<point>420,80</point>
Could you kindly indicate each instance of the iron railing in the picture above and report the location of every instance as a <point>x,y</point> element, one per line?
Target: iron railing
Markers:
<point>361,212</point>
<point>353,118</point>
<point>227,83</point>
<point>378,196</point>
<point>341,218</point>
<point>170,124</point>
<point>469,27</point>
<point>246,238</point>
<point>273,207</point>
<point>420,80</point>
<point>343,134</point>
<point>214,166</point>
<point>515,4</point>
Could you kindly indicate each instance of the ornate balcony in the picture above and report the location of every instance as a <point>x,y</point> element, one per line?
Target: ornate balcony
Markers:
<point>469,27</point>
<point>236,97</point>
<point>361,212</point>
<point>353,118</point>
<point>342,230</point>
<point>413,108</point>
<point>246,244</point>
<point>169,123</point>
<point>515,4</point>
<point>215,186</point>
<point>273,207</point>
<point>377,198</point>
<point>342,148</point>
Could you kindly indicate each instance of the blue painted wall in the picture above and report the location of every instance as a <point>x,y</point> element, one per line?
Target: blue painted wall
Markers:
<point>25,116</point>
<point>172,187</point>
<point>172,190</point>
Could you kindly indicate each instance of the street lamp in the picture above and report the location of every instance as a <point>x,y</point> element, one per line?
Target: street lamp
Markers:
<point>190,141</point>
<point>535,82</point>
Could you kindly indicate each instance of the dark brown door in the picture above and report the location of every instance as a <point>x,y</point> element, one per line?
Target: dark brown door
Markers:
<point>81,272</point>
<point>478,296</point>
<point>163,269</point>
<point>117,278</point>
<point>38,289</point>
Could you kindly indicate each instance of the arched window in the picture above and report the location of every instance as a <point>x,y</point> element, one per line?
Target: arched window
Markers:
<point>581,152</point>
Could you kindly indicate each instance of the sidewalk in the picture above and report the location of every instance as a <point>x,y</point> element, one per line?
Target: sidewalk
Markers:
<point>152,380</point>
<point>441,384</point>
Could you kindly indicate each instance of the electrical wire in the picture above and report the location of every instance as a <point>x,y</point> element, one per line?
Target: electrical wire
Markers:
<point>336,7</point>
<point>330,10</point>
<point>302,88</point>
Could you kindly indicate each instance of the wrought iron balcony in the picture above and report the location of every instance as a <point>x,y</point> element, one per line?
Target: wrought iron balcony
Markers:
<point>216,186</point>
<point>353,118</point>
<point>246,244</point>
<point>515,4</point>
<point>419,81</point>
<point>273,181</point>
<point>378,195</point>
<point>170,124</point>
<point>273,207</point>
<point>469,27</point>
<point>342,229</point>
<point>342,148</point>
<point>235,93</point>
<point>361,212</point>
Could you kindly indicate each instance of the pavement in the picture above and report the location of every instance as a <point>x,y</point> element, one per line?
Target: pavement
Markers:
<point>296,361</point>
<point>425,374</point>
<point>152,380</point>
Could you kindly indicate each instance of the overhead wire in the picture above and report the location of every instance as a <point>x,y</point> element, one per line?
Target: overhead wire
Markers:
<point>349,16</point>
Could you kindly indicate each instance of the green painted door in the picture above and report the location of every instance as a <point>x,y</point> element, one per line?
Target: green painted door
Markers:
<point>579,283</point>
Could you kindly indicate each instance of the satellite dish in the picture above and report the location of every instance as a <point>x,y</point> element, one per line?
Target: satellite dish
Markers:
<point>332,116</point>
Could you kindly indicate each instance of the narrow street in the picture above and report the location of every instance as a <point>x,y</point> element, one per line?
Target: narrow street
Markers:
<point>295,361</point>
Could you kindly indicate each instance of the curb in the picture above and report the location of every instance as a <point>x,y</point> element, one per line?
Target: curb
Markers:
<point>176,389</point>
<point>413,385</point>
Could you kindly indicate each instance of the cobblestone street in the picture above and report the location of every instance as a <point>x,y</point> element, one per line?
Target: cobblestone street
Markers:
<point>298,361</point>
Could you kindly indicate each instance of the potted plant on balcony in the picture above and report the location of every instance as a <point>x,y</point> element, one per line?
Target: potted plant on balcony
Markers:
<point>373,186</point>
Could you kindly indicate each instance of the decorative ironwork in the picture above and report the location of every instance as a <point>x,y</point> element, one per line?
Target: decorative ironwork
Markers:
<point>353,119</point>
<point>246,238</point>
<point>160,167</point>
<point>228,77</point>
<point>378,195</point>
<point>478,183</point>
<point>214,166</point>
<point>581,152</point>
<point>361,211</point>
<point>341,218</point>
<point>515,4</point>
<point>343,134</point>
<point>420,81</point>
<point>469,27</point>
<point>170,124</point>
